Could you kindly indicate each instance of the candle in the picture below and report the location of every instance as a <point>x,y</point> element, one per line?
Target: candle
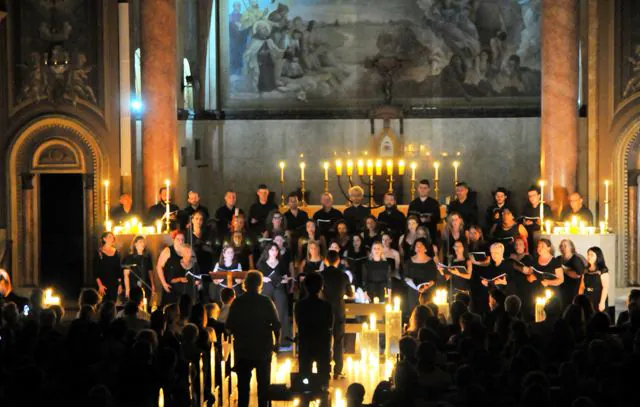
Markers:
<point>392,327</point>
<point>106,200</point>
<point>167,212</point>
<point>389,167</point>
<point>574,221</point>
<point>372,320</point>
<point>349,168</point>
<point>541,203</point>
<point>302,166</point>
<point>159,226</point>
<point>378,167</point>
<point>127,227</point>
<point>436,167</point>
<point>370,168</point>
<point>606,203</point>
<point>282,171</point>
<point>456,164</point>
<point>50,299</point>
<point>548,226</point>
<point>360,167</point>
<point>326,170</point>
<point>108,225</point>
<point>161,398</point>
<point>539,311</point>
<point>339,168</point>
<point>401,167</point>
<point>376,300</point>
<point>603,228</point>
<point>413,170</point>
<point>582,228</point>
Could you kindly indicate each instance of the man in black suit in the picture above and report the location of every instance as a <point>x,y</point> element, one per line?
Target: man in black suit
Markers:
<point>314,318</point>
<point>327,216</point>
<point>336,286</point>
<point>158,211</point>
<point>392,219</point>
<point>465,205</point>
<point>259,211</point>
<point>426,209</point>
<point>355,214</point>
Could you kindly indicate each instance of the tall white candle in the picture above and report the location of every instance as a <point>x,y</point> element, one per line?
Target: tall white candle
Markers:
<point>302,166</point>
<point>541,204</point>
<point>106,201</point>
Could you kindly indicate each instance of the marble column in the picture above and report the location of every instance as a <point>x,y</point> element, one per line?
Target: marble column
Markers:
<point>559,127</point>
<point>159,121</point>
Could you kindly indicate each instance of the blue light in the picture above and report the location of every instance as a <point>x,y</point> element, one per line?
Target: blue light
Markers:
<point>136,105</point>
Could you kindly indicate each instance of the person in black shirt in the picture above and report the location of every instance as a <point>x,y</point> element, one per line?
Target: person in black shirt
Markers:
<point>193,198</point>
<point>500,200</point>
<point>296,219</point>
<point>336,287</point>
<point>6,292</point>
<point>355,214</point>
<point>139,268</point>
<point>531,214</point>
<point>376,273</point>
<point>465,204</point>
<point>226,212</point>
<point>123,212</point>
<point>107,268</point>
<point>426,208</point>
<point>158,211</point>
<point>576,208</point>
<point>573,267</point>
<point>314,318</point>
<point>595,280</point>
<point>391,218</point>
<point>326,217</point>
<point>260,210</point>
<point>493,275</point>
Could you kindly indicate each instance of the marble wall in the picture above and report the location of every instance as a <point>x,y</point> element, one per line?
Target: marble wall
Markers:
<point>240,154</point>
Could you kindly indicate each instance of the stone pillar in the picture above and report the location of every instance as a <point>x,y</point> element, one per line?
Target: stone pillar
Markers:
<point>559,127</point>
<point>632,242</point>
<point>159,122</point>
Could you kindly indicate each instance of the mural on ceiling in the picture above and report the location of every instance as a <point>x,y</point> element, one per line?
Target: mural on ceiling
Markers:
<point>327,53</point>
<point>630,47</point>
<point>55,51</point>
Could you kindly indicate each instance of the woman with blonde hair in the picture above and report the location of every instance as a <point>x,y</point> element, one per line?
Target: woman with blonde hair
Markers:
<point>376,273</point>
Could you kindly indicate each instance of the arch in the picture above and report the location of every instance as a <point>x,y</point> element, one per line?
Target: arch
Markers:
<point>51,144</point>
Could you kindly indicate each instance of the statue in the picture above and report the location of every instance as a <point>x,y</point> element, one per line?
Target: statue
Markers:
<point>35,82</point>
<point>387,67</point>
<point>633,85</point>
<point>78,84</point>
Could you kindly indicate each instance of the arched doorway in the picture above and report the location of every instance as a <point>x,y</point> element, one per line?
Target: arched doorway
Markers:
<point>50,157</point>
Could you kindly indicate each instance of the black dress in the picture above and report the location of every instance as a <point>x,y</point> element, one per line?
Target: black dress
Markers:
<point>368,240</point>
<point>570,286</point>
<point>551,267</point>
<point>375,277</point>
<point>520,286</point>
<point>173,269</point>
<point>277,292</point>
<point>109,271</point>
<point>140,273</point>
<point>593,286</point>
<point>203,250</point>
<point>480,293</point>
<point>421,273</point>
<point>459,284</point>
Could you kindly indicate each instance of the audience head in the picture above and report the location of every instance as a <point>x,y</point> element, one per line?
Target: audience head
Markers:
<point>463,298</point>
<point>227,295</point>
<point>355,395</point>
<point>198,316</point>
<point>408,347</point>
<point>418,319</point>
<point>107,312</point>
<point>5,283</point>
<point>633,301</point>
<point>496,298</point>
<point>512,305</point>
<point>185,303</point>
<point>313,283</point>
<point>88,296</point>
<point>553,308</point>
<point>333,258</point>
<point>253,282</point>
<point>36,298</point>
<point>213,310</point>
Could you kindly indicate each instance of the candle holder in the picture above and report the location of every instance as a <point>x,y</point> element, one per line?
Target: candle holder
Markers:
<point>282,197</point>
<point>390,190</point>
<point>302,193</point>
<point>436,189</point>
<point>168,210</point>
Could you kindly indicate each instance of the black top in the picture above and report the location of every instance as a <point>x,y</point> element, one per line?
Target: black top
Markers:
<point>459,283</point>
<point>392,220</point>
<point>187,212</point>
<point>551,267</point>
<point>108,270</point>
<point>158,210</point>
<point>507,237</point>
<point>355,260</point>
<point>260,213</point>
<point>253,320</point>
<point>314,318</point>
<point>583,215</point>
<point>570,286</point>
<point>312,266</point>
<point>530,212</point>
<point>354,217</point>
<point>375,271</point>
<point>422,272</point>
<point>119,216</point>
<point>468,210</point>
<point>336,286</point>
<point>203,249</point>
<point>368,240</point>
<point>296,223</point>
<point>173,267</point>
<point>428,213</point>
<point>480,293</point>
<point>223,218</point>
<point>325,220</point>
<point>274,273</point>
<point>520,286</point>
<point>142,269</point>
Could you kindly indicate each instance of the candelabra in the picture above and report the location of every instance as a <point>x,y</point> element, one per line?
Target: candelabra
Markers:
<point>282,198</point>
<point>302,183</point>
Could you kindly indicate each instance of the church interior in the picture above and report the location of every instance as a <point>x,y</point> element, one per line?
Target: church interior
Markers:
<point>129,118</point>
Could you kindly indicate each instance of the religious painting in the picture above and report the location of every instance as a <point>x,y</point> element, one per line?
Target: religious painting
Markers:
<point>628,48</point>
<point>328,54</point>
<point>55,52</point>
